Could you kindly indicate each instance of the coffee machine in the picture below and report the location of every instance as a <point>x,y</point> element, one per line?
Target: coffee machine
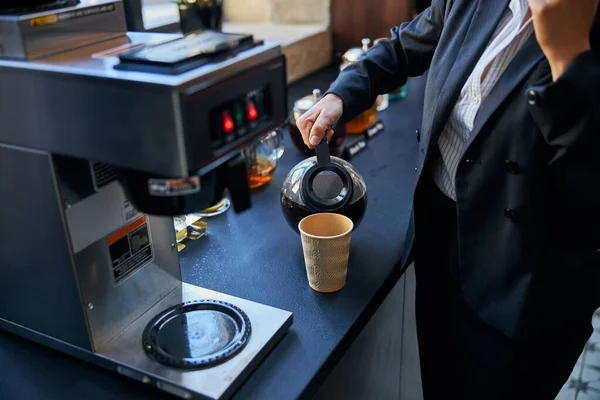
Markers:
<point>105,135</point>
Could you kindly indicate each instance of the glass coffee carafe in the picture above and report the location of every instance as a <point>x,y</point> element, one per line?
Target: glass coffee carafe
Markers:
<point>323,184</point>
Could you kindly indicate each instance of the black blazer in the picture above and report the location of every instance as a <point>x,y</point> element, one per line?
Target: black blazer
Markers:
<point>528,202</point>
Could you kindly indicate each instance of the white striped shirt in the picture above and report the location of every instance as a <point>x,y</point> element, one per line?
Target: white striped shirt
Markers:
<point>507,40</point>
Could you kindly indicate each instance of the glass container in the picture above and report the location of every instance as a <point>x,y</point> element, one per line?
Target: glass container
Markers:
<point>261,160</point>
<point>323,184</point>
<point>367,118</point>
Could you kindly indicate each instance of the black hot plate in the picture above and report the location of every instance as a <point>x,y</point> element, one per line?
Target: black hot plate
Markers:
<point>197,334</point>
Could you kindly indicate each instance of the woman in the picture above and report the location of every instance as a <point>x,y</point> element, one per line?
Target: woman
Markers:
<point>506,220</point>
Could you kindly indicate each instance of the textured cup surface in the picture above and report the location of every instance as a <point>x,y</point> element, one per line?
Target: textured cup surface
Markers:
<point>326,245</point>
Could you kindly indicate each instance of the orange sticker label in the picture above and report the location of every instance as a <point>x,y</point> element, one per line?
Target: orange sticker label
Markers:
<point>130,249</point>
<point>124,231</point>
<point>46,20</point>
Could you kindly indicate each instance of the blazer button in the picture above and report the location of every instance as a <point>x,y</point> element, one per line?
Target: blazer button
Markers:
<point>532,97</point>
<point>511,167</point>
<point>418,134</point>
<point>509,213</point>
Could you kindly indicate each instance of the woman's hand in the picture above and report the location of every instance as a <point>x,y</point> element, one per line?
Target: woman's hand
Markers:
<point>320,119</point>
<point>562,29</point>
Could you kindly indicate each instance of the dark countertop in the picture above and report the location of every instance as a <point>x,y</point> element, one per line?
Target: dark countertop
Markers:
<point>265,265</point>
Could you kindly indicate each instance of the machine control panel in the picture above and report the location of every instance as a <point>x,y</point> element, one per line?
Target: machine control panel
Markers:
<point>221,120</point>
<point>240,116</point>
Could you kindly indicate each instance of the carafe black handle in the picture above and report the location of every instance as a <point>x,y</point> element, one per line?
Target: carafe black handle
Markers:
<point>324,164</point>
<point>322,151</point>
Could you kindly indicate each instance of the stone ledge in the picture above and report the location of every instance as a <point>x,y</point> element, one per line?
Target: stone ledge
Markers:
<point>307,47</point>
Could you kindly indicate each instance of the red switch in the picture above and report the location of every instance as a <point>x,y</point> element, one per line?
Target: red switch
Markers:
<point>228,124</point>
<point>252,113</point>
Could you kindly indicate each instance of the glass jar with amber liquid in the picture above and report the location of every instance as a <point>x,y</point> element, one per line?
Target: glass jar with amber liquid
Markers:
<point>361,122</point>
<point>367,118</point>
<point>260,172</point>
<point>261,159</point>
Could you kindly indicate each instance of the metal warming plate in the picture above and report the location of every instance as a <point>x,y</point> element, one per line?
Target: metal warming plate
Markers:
<point>216,382</point>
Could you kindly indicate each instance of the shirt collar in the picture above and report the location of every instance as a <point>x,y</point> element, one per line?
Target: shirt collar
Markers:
<point>519,7</point>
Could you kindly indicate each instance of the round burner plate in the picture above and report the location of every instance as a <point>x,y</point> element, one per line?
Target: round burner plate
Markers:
<point>197,334</point>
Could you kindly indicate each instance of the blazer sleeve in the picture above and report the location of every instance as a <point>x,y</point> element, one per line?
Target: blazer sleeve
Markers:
<point>568,110</point>
<point>568,115</point>
<point>387,65</point>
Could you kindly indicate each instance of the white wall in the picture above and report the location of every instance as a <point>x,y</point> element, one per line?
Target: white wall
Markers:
<point>278,11</point>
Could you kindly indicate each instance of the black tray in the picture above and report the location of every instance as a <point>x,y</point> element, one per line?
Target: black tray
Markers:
<point>186,53</point>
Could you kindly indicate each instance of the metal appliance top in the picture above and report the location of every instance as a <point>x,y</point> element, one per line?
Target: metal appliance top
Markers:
<point>99,61</point>
<point>19,9</point>
<point>39,29</point>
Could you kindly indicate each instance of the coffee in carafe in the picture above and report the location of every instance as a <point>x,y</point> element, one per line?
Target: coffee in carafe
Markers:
<point>323,184</point>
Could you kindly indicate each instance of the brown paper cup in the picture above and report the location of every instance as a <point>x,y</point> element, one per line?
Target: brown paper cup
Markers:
<point>326,245</point>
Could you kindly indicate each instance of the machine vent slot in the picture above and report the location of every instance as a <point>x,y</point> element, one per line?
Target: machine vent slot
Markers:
<point>103,174</point>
